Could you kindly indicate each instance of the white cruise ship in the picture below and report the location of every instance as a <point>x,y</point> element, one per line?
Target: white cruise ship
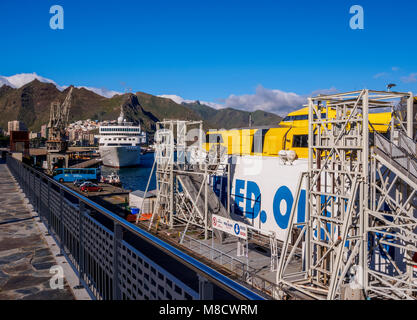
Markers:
<point>119,143</point>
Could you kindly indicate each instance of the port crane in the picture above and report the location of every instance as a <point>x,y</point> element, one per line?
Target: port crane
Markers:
<point>57,144</point>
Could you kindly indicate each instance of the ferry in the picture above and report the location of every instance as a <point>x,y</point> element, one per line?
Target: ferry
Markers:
<point>120,143</point>
<point>266,163</point>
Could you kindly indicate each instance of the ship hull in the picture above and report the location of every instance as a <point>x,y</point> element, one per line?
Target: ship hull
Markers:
<point>120,156</point>
<point>263,191</point>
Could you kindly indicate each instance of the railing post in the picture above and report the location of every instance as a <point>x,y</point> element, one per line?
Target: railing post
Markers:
<point>33,190</point>
<point>40,205</point>
<point>40,199</point>
<point>27,183</point>
<point>61,222</point>
<point>23,179</point>
<point>205,288</point>
<point>80,241</point>
<point>22,174</point>
<point>48,210</point>
<point>19,171</point>
<point>117,239</point>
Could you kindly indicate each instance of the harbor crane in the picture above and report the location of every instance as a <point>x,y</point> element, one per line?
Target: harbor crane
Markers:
<point>57,144</point>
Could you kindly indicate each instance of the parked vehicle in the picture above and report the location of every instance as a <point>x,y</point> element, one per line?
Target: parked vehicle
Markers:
<point>79,182</point>
<point>90,187</point>
<point>72,174</point>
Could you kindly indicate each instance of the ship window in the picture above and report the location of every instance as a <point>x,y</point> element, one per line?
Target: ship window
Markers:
<point>300,141</point>
<point>323,116</point>
<point>258,141</point>
<point>301,117</point>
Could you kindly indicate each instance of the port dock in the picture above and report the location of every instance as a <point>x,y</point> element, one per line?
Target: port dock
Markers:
<point>25,257</point>
<point>114,259</point>
<point>357,239</point>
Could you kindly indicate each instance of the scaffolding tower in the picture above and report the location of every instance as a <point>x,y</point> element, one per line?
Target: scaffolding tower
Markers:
<point>183,170</point>
<point>359,236</point>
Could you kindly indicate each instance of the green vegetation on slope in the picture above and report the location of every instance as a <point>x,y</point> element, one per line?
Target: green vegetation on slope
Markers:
<point>31,104</point>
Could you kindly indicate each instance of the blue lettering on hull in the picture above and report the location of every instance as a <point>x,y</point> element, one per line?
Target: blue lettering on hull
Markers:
<point>248,201</point>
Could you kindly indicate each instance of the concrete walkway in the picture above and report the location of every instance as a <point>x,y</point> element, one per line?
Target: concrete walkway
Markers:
<point>25,258</point>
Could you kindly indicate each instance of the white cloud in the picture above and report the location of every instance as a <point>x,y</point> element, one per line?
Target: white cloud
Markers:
<point>4,81</point>
<point>175,98</point>
<point>103,91</point>
<point>19,80</point>
<point>180,100</point>
<point>329,91</point>
<point>386,74</point>
<point>409,79</point>
<point>214,105</point>
<point>100,91</point>
<point>275,101</point>
<point>381,75</point>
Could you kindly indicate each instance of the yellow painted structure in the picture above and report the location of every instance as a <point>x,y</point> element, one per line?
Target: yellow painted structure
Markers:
<point>290,134</point>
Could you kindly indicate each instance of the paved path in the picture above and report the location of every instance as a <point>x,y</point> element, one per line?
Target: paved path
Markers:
<point>25,258</point>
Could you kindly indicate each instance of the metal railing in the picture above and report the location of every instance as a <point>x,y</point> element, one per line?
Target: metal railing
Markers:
<point>221,258</point>
<point>109,254</point>
<point>398,155</point>
<point>407,143</point>
<point>242,270</point>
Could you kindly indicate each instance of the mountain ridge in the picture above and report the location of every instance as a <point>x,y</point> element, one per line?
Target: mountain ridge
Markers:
<point>31,104</point>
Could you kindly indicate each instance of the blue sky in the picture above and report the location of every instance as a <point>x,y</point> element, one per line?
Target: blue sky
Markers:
<point>210,50</point>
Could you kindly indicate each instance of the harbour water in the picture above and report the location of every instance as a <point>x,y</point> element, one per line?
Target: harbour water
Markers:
<point>135,178</point>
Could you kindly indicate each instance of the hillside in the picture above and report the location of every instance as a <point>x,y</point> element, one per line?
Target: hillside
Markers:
<point>31,104</point>
<point>231,118</point>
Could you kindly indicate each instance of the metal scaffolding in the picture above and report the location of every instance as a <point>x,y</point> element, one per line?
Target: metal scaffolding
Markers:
<point>359,236</point>
<point>183,171</point>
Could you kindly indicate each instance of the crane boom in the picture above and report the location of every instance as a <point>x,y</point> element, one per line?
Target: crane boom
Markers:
<point>58,121</point>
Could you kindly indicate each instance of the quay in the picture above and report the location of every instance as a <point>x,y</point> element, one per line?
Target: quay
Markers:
<point>191,240</point>
<point>113,198</point>
<point>114,259</point>
<point>25,257</point>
